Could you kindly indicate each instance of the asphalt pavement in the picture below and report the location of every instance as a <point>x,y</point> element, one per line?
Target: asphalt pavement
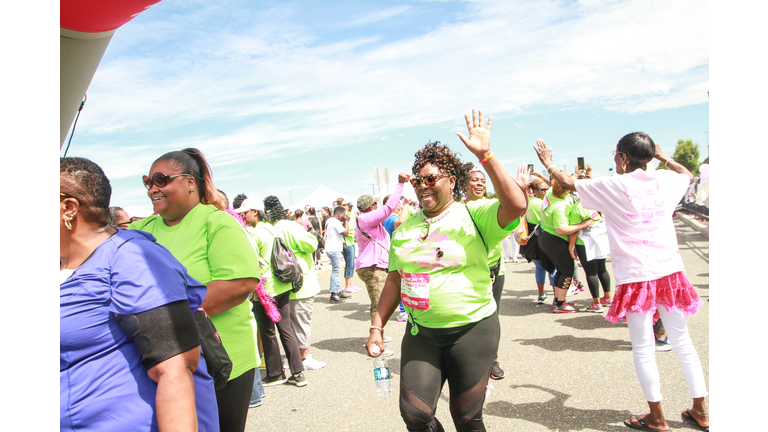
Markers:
<point>564,372</point>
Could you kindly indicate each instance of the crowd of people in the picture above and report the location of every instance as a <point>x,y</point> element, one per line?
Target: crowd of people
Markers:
<point>139,296</point>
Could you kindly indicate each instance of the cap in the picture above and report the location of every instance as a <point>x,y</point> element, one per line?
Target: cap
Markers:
<point>365,201</point>
<point>250,204</point>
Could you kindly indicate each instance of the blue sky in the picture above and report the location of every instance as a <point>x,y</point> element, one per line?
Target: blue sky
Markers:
<point>283,98</point>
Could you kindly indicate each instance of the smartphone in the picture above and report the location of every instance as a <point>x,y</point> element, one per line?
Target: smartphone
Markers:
<point>580,163</point>
<point>530,170</point>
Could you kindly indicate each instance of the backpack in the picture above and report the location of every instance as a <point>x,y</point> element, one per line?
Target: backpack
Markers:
<point>285,265</point>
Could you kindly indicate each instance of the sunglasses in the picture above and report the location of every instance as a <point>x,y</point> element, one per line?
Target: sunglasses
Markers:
<point>616,151</point>
<point>542,190</point>
<point>123,224</point>
<point>427,180</point>
<point>159,179</point>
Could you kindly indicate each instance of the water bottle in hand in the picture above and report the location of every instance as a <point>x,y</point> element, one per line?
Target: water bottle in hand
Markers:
<point>381,374</point>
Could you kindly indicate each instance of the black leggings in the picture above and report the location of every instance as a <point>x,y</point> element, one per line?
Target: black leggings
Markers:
<point>287,337</point>
<point>596,272</point>
<point>461,355</point>
<point>233,400</point>
<point>557,250</point>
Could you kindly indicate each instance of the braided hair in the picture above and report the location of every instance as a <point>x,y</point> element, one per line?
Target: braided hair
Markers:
<point>238,201</point>
<point>273,209</point>
<point>446,161</point>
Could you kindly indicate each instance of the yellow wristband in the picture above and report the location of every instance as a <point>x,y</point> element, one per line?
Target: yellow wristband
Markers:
<point>487,158</point>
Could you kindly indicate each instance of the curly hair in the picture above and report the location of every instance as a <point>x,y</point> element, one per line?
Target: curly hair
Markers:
<point>85,181</point>
<point>238,201</point>
<point>273,209</point>
<point>446,161</point>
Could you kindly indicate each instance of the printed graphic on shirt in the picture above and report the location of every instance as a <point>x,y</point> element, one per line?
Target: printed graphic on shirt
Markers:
<point>414,290</point>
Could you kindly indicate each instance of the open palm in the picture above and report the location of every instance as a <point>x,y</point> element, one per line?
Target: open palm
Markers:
<point>479,140</point>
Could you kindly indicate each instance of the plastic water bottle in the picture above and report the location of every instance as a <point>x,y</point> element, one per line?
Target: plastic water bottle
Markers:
<point>381,374</point>
<point>611,172</point>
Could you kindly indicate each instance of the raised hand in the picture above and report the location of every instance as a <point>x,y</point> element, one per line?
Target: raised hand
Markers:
<point>403,177</point>
<point>479,141</point>
<point>543,152</point>
<point>522,177</point>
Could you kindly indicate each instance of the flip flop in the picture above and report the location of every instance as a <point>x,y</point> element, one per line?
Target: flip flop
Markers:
<point>689,418</point>
<point>643,425</point>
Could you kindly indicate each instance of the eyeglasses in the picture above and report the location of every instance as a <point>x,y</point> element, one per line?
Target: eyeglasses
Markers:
<point>428,180</point>
<point>542,190</point>
<point>160,179</point>
<point>616,151</point>
<point>123,224</point>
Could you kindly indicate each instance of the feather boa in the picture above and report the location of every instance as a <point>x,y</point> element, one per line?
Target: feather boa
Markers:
<point>267,302</point>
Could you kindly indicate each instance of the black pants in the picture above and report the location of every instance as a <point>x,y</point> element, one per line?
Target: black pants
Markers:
<point>557,250</point>
<point>233,400</point>
<point>596,272</point>
<point>462,356</point>
<point>290,344</point>
<point>498,287</point>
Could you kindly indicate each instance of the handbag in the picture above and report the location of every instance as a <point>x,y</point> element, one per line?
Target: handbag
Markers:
<point>216,358</point>
<point>521,232</point>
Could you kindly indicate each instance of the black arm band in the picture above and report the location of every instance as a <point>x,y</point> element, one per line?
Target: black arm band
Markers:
<point>161,333</point>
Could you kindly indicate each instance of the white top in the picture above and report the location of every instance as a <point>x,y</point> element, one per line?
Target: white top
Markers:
<point>333,238</point>
<point>638,209</point>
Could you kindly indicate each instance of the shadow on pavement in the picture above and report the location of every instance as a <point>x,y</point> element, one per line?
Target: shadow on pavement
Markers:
<point>589,321</point>
<point>572,343</point>
<point>555,415</point>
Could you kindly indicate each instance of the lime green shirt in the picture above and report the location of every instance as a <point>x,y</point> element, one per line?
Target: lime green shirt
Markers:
<point>212,245</point>
<point>554,213</point>
<point>578,214</point>
<point>534,210</point>
<point>445,279</point>
<point>302,243</point>
<point>350,239</point>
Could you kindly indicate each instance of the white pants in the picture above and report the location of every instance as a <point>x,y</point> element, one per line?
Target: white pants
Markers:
<point>515,248</point>
<point>644,351</point>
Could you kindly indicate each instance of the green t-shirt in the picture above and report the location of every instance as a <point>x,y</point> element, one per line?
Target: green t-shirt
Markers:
<point>350,239</point>
<point>212,245</point>
<point>578,214</point>
<point>554,213</point>
<point>534,210</point>
<point>495,255</point>
<point>302,243</point>
<point>445,280</point>
<point>264,235</point>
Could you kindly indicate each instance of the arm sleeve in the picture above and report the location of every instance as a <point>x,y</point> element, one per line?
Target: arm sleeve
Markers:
<point>298,239</point>
<point>230,253</point>
<point>375,217</point>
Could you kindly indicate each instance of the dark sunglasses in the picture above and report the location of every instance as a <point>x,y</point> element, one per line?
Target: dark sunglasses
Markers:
<point>159,179</point>
<point>428,180</point>
<point>122,224</point>
<point>542,190</point>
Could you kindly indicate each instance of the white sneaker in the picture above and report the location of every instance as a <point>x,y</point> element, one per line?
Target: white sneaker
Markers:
<point>571,290</point>
<point>387,339</point>
<point>388,353</point>
<point>285,363</point>
<point>312,364</point>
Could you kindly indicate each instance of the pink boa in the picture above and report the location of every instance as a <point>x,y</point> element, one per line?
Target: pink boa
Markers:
<point>673,291</point>
<point>267,302</point>
<point>237,216</point>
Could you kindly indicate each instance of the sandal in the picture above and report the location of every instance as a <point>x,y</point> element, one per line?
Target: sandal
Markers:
<point>643,425</point>
<point>691,419</point>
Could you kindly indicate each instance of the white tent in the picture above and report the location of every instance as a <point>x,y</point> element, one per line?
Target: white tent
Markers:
<point>321,197</point>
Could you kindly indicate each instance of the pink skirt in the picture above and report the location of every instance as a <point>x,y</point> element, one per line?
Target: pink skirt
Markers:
<point>673,291</point>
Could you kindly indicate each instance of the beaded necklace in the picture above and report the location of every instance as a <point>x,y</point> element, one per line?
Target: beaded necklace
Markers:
<point>428,222</point>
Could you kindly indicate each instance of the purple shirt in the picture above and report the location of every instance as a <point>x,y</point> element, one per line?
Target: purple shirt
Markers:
<point>103,386</point>
<point>375,252</point>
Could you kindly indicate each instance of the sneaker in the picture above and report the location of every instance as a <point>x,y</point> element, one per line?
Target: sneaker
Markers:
<point>497,373</point>
<point>285,363</point>
<point>387,339</point>
<point>605,302</point>
<point>298,380</point>
<point>566,302</point>
<point>335,298</point>
<point>263,364</point>
<point>352,289</point>
<point>255,404</point>
<point>402,316</point>
<point>594,307</point>
<point>565,308</point>
<point>572,290</point>
<point>272,381</point>
<point>312,364</point>
<point>388,353</point>
<point>542,299</point>
<point>663,345</point>
<point>344,295</point>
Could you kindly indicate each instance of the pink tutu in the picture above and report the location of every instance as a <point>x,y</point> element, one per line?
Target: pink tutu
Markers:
<point>673,291</point>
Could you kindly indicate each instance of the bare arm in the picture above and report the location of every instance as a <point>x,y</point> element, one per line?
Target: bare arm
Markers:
<point>223,295</point>
<point>545,156</point>
<point>570,229</point>
<point>672,164</point>
<point>390,299</point>
<point>175,397</point>
<point>572,244</point>
<point>512,201</point>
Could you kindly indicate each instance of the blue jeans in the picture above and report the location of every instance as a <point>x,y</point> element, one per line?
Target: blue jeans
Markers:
<point>335,258</point>
<point>349,258</point>
<point>541,273</point>
<point>258,388</point>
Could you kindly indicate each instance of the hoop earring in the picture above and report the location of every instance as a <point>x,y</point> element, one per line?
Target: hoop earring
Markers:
<point>68,222</point>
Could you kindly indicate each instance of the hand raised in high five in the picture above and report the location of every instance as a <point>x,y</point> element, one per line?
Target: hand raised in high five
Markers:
<point>543,152</point>
<point>479,141</point>
<point>522,177</point>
